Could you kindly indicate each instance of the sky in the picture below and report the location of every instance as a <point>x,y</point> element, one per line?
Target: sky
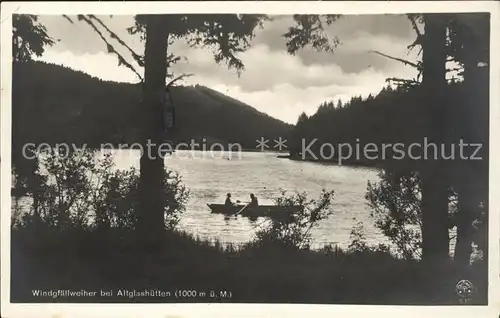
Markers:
<point>273,81</point>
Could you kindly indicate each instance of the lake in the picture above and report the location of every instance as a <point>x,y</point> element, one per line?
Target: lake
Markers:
<point>210,176</point>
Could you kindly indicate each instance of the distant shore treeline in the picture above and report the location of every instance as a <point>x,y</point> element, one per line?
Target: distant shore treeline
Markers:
<point>390,117</point>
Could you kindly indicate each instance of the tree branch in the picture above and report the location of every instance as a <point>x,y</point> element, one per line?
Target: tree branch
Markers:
<point>111,49</point>
<point>418,40</point>
<point>309,31</point>
<point>138,58</point>
<point>406,62</point>
<point>178,78</point>
<point>402,81</point>
<point>68,18</point>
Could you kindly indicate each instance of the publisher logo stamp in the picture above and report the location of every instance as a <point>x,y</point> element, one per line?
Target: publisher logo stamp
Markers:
<point>464,289</point>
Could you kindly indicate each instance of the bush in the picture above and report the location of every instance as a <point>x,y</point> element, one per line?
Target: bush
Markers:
<point>358,242</point>
<point>396,208</point>
<point>80,190</point>
<point>294,230</point>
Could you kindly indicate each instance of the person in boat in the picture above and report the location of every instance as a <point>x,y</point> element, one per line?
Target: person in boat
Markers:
<point>228,202</point>
<point>253,201</point>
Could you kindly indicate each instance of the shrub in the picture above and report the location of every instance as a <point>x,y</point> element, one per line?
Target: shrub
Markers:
<point>79,189</point>
<point>358,242</point>
<point>396,208</point>
<point>294,230</point>
<point>358,239</point>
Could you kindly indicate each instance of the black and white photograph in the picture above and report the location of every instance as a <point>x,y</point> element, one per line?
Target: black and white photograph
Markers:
<point>248,158</point>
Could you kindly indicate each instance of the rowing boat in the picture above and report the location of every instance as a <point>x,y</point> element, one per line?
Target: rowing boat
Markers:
<point>259,211</point>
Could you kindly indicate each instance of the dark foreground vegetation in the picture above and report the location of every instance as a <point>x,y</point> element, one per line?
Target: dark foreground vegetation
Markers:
<point>267,273</point>
<point>79,231</point>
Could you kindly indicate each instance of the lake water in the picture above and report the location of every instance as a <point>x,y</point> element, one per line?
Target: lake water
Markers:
<point>210,176</point>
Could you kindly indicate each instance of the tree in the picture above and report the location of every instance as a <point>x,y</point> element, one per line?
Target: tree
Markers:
<point>29,37</point>
<point>302,119</point>
<point>396,208</point>
<point>448,38</point>
<point>228,35</point>
<point>463,103</point>
<point>435,237</point>
<point>298,134</point>
<point>469,46</point>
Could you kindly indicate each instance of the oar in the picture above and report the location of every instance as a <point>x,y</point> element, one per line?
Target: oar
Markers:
<point>243,208</point>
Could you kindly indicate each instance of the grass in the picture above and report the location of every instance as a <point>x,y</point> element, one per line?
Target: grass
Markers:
<point>112,260</point>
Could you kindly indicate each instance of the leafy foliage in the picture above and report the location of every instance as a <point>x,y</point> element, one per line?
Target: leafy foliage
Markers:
<point>358,239</point>
<point>309,30</point>
<point>226,34</point>
<point>395,116</point>
<point>79,189</point>
<point>29,37</point>
<point>395,203</point>
<point>468,32</point>
<point>302,215</point>
<point>358,244</point>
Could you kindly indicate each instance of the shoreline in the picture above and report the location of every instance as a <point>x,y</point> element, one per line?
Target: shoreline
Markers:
<point>351,164</point>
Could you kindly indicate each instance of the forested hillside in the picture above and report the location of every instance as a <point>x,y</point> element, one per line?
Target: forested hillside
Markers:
<point>53,104</point>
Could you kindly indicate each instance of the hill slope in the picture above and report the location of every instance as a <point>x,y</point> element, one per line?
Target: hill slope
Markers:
<point>53,104</point>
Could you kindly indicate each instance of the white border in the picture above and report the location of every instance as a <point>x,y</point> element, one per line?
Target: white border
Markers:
<point>245,310</point>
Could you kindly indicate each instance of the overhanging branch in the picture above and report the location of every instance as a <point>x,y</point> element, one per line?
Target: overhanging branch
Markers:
<point>68,18</point>
<point>403,81</point>
<point>178,78</point>
<point>406,62</point>
<point>418,40</point>
<point>111,49</point>
<point>138,58</point>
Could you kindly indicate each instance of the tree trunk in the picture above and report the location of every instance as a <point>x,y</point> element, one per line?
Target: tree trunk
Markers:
<point>151,218</point>
<point>467,200</point>
<point>435,237</point>
<point>474,118</point>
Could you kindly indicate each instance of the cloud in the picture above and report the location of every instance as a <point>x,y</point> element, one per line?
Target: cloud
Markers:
<point>287,101</point>
<point>102,65</point>
<point>283,94</point>
<point>357,33</point>
<point>79,37</point>
<point>266,69</point>
<point>273,81</point>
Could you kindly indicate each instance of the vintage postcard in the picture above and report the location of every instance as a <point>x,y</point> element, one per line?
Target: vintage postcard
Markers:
<point>250,159</point>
